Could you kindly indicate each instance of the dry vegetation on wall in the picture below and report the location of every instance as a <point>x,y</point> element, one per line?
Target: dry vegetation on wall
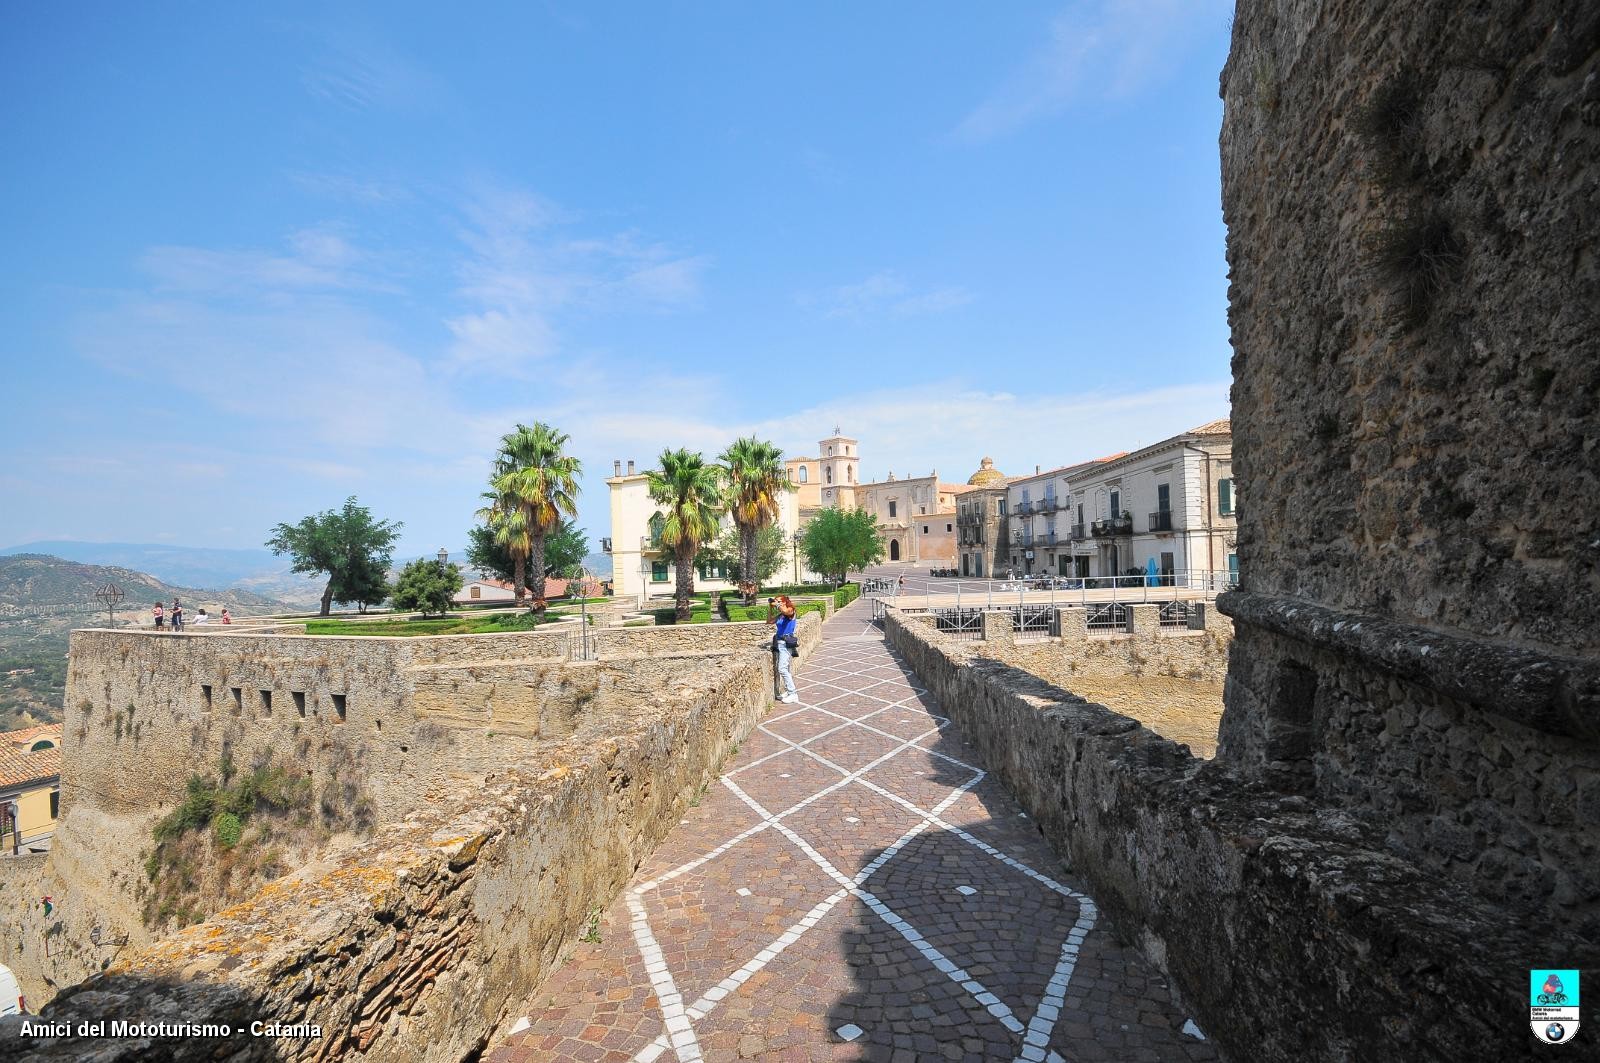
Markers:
<point>235,831</point>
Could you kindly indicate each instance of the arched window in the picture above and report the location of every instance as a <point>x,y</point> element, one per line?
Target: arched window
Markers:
<point>43,743</point>
<point>829,471</point>
<point>850,473</point>
<point>657,523</point>
<point>802,474</point>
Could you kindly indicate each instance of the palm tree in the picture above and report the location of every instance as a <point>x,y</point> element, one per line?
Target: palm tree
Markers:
<point>756,478</point>
<point>508,524</point>
<point>539,483</point>
<point>691,491</point>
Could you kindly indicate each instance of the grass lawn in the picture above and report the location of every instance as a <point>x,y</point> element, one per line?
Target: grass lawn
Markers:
<point>457,625</point>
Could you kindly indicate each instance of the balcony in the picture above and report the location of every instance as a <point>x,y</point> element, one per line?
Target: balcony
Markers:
<point>969,519</point>
<point>1023,508</point>
<point>1161,521</point>
<point>650,544</point>
<point>1049,505</point>
<point>1112,526</point>
<point>1080,531</point>
<point>605,545</point>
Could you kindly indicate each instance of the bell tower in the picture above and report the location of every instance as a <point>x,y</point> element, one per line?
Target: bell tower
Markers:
<point>840,461</point>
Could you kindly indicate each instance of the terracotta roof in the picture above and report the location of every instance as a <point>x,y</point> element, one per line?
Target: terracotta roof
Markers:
<point>1221,427</point>
<point>19,767</point>
<point>26,736</point>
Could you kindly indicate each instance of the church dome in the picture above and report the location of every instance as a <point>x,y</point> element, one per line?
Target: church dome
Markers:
<point>987,475</point>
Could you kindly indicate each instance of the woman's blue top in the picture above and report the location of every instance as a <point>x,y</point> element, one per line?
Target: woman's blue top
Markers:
<point>785,625</point>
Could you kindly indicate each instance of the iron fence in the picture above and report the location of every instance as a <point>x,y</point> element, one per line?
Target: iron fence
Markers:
<point>1109,616</point>
<point>1035,622</point>
<point>1174,614</point>
<point>959,623</point>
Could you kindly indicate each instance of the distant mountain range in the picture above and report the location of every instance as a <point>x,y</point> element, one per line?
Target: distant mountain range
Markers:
<point>257,571</point>
<point>37,585</point>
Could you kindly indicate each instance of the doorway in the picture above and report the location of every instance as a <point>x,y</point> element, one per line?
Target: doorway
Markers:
<point>894,549</point>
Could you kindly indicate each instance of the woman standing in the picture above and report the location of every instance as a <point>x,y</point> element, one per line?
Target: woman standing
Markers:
<point>161,617</point>
<point>785,642</point>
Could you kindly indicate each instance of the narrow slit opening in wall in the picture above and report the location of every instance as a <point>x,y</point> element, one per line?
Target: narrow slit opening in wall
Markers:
<point>300,702</point>
<point>338,706</point>
<point>266,703</point>
<point>238,700</point>
<point>205,697</point>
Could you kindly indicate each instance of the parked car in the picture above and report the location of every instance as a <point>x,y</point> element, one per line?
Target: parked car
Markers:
<point>11,1002</point>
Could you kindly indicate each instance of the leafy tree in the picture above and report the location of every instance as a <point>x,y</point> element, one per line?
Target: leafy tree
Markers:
<point>346,544</point>
<point>564,552</point>
<point>427,586</point>
<point>533,486</point>
<point>771,547</point>
<point>756,482</point>
<point>364,584</point>
<point>838,540</point>
<point>692,492</point>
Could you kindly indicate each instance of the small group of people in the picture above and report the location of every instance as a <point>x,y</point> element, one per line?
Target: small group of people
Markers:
<point>174,616</point>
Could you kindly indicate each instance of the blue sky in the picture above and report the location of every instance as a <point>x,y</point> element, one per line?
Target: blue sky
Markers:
<point>258,260</point>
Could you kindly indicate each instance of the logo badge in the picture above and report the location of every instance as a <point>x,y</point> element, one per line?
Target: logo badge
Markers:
<point>1553,1005</point>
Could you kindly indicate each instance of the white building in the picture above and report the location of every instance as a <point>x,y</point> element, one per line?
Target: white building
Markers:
<point>642,568</point>
<point>1172,502</point>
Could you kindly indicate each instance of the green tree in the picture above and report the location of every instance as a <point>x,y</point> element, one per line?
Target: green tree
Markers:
<point>771,547</point>
<point>756,482</point>
<point>427,586</point>
<point>364,584</point>
<point>534,485</point>
<point>345,544</point>
<point>564,552</point>
<point>691,491</point>
<point>838,540</point>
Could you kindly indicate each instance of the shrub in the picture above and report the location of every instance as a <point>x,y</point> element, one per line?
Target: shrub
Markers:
<point>847,593</point>
<point>227,829</point>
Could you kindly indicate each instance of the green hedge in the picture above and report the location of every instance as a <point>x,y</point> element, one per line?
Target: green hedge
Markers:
<point>699,613</point>
<point>847,593</point>
<point>759,610</point>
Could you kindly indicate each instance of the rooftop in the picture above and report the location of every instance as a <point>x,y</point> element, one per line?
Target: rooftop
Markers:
<point>20,766</point>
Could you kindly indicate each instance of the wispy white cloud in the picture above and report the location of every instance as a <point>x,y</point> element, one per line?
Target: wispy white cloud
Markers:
<point>316,258</point>
<point>521,272</point>
<point>885,292</point>
<point>358,74</point>
<point>1096,49</point>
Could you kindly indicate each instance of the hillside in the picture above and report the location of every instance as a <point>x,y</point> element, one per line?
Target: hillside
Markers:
<point>43,598</point>
<point>257,571</point>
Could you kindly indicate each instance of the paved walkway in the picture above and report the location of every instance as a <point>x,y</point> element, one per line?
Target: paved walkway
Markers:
<point>855,887</point>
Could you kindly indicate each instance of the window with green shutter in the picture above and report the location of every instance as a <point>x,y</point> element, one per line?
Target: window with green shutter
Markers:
<point>1225,497</point>
<point>658,572</point>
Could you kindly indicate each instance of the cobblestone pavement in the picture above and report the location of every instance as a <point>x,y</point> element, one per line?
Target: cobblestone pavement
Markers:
<point>855,887</point>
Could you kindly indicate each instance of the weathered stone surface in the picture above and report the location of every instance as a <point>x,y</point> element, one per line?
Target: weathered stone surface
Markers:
<point>1410,194</point>
<point>1289,928</point>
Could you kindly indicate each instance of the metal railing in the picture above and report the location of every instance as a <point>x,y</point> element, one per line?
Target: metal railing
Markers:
<point>1174,613</point>
<point>1023,508</point>
<point>1122,525</point>
<point>1079,531</point>
<point>1048,504</point>
<point>1035,622</point>
<point>971,591</point>
<point>964,624</point>
<point>1161,520</point>
<point>649,542</point>
<point>1111,616</point>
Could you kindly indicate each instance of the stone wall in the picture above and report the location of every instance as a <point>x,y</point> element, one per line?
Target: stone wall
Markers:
<point>421,721</point>
<point>411,945</point>
<point>1289,930</point>
<point>1144,649</point>
<point>1410,194</point>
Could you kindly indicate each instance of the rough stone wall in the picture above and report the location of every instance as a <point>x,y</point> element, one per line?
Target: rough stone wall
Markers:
<point>1148,651</point>
<point>1410,194</point>
<point>1289,930</point>
<point>424,720</point>
<point>411,945</point>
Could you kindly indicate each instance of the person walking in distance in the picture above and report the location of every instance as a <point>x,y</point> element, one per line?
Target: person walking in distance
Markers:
<point>161,617</point>
<point>785,642</point>
<point>177,615</point>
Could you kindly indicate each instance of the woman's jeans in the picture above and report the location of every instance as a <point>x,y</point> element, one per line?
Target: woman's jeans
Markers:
<point>783,668</point>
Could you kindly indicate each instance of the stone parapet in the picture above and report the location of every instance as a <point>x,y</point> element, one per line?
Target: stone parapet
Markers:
<point>1286,927</point>
<point>411,945</point>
